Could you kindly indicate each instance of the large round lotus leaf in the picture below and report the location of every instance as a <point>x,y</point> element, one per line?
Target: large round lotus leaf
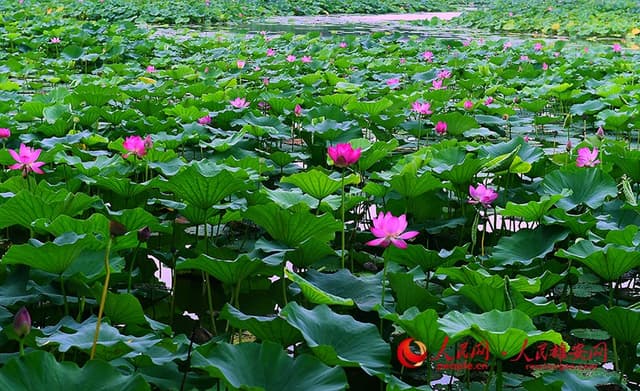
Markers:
<point>39,371</point>
<point>340,339</point>
<point>266,366</point>
<point>589,186</point>
<point>622,323</point>
<point>504,332</point>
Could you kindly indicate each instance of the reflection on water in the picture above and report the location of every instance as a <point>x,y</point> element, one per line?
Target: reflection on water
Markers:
<point>414,24</point>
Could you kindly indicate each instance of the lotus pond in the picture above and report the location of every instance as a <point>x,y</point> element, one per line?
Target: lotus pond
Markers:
<point>264,211</point>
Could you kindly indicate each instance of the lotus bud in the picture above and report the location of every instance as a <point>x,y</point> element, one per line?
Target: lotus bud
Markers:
<point>116,229</point>
<point>600,133</point>
<point>22,322</point>
<point>144,234</point>
<point>569,146</point>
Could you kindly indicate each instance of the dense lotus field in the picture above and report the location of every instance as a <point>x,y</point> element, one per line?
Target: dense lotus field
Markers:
<point>190,211</point>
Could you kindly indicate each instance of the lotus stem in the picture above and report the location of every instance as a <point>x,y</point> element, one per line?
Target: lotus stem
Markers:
<point>133,262</point>
<point>64,296</point>
<point>103,299</point>
<point>343,222</point>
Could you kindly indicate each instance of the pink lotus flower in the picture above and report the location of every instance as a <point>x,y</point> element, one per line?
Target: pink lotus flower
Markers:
<point>423,108</point>
<point>206,120</point>
<point>297,111</point>
<point>428,56</point>
<point>291,58</point>
<point>466,42</point>
<point>239,103</point>
<point>441,128</point>
<point>402,60</point>
<point>344,155</point>
<point>537,47</point>
<point>506,45</point>
<point>587,158</point>
<point>151,68</point>
<point>545,66</point>
<point>444,74</point>
<point>524,58</point>
<point>240,64</point>
<point>617,48</point>
<point>343,44</point>
<point>55,40</point>
<point>488,101</point>
<point>265,81</point>
<point>468,105</point>
<point>135,145</point>
<point>482,195</point>
<point>389,229</point>
<point>26,159</point>
<point>437,84</point>
<point>270,52</point>
<point>148,143</point>
<point>5,133</point>
<point>393,81</point>
<point>306,59</point>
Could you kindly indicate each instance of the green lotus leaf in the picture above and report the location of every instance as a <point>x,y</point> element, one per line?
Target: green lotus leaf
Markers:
<point>570,380</point>
<point>422,326</point>
<point>527,245</point>
<point>609,262</point>
<point>293,228</point>
<point>315,294</point>
<point>318,184</point>
<point>589,107</point>
<point>15,289</point>
<point>263,126</point>
<point>309,252</point>
<point>337,99</point>
<point>53,257</point>
<point>72,52</point>
<point>410,185</point>
<point>621,323</point>
<point>124,308</point>
<point>578,224</point>
<point>137,218</point>
<point>526,151</point>
<point>205,186</point>
<point>589,186</point>
<point>268,363</point>
<point>264,328</point>
<point>111,344</point>
<point>288,199</point>
<point>363,290</point>
<point>39,370</point>
<point>374,153</point>
<point>615,119</point>
<point>532,210</point>
<point>409,294</point>
<point>372,108</point>
<point>506,333</point>
<point>428,260</point>
<point>228,271</point>
<point>457,123</point>
<point>340,339</point>
<point>46,205</point>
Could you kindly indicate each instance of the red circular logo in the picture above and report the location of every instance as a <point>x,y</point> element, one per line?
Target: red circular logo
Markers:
<point>406,353</point>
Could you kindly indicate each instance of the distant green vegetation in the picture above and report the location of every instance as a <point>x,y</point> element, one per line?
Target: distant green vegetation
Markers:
<point>223,11</point>
<point>576,18</point>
